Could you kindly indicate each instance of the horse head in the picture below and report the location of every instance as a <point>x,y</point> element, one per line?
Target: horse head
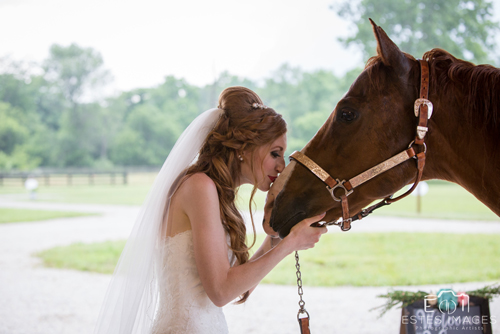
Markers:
<point>371,123</point>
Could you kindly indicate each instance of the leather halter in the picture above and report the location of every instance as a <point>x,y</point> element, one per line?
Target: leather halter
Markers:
<point>423,110</point>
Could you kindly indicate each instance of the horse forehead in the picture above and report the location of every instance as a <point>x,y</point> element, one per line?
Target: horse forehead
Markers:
<point>282,179</point>
<point>361,84</point>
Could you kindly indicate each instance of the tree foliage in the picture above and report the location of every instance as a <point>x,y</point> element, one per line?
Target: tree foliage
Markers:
<point>465,28</point>
<point>52,115</point>
<point>75,71</point>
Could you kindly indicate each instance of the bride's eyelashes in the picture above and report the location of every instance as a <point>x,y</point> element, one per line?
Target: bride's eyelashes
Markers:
<point>275,154</point>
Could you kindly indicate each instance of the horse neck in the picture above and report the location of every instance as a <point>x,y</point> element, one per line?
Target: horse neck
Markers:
<point>461,154</point>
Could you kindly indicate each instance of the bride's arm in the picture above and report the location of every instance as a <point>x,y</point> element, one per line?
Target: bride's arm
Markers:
<point>222,282</point>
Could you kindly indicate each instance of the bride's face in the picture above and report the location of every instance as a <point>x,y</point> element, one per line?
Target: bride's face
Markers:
<point>268,162</point>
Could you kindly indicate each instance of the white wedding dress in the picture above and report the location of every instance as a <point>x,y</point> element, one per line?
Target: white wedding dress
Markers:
<point>156,287</point>
<point>184,307</point>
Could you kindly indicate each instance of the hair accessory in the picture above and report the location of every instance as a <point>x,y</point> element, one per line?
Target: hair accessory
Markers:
<point>258,106</point>
<point>240,157</point>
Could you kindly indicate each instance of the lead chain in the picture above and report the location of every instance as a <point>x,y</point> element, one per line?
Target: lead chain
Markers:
<point>302,303</point>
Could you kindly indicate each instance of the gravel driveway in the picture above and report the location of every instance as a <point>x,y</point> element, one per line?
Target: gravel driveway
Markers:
<point>37,300</point>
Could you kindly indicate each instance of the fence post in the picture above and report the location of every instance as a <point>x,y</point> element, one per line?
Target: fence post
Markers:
<point>125,181</point>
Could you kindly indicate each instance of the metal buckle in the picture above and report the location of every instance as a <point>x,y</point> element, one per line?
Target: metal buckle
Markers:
<point>421,131</point>
<point>411,144</point>
<point>303,312</point>
<point>364,213</point>
<point>342,226</point>
<point>419,102</point>
<point>340,184</point>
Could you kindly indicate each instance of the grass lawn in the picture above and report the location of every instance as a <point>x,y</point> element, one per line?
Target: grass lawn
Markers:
<point>8,215</point>
<point>98,257</point>
<point>444,200</point>
<point>381,259</point>
<point>130,194</point>
<point>96,194</point>
<point>358,259</point>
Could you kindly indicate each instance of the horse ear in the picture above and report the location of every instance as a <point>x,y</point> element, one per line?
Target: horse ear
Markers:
<point>388,51</point>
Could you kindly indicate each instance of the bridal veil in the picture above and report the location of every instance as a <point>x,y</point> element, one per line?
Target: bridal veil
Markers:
<point>132,300</point>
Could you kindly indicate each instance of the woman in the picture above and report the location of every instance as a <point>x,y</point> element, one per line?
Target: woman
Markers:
<point>187,255</point>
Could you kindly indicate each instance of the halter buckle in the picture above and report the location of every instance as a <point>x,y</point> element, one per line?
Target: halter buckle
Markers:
<point>419,102</point>
<point>413,142</point>
<point>340,184</point>
<point>421,131</point>
<point>343,224</point>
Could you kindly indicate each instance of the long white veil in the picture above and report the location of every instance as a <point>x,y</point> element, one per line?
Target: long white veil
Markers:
<point>131,301</point>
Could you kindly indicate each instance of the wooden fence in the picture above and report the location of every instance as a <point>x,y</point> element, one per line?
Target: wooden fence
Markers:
<point>66,178</point>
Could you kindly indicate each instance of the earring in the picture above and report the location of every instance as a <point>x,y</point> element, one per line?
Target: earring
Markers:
<point>240,157</point>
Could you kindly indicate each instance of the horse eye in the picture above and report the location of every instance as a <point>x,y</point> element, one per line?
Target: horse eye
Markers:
<point>348,115</point>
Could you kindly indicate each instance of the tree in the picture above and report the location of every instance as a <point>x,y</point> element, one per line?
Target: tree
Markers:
<point>14,135</point>
<point>76,71</point>
<point>146,138</point>
<point>177,99</point>
<point>12,131</point>
<point>462,27</point>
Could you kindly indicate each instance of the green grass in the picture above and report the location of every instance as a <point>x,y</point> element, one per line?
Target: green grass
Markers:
<point>444,200</point>
<point>97,194</point>
<point>131,194</point>
<point>8,215</point>
<point>358,259</point>
<point>382,259</point>
<point>97,257</point>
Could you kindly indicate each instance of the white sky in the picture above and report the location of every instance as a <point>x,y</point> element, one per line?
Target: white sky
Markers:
<point>143,41</point>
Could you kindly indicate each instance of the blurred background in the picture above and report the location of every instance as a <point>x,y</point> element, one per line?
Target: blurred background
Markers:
<point>97,92</point>
<point>104,84</point>
<point>93,95</point>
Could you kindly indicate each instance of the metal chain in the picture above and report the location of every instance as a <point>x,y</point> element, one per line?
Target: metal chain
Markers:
<point>302,303</point>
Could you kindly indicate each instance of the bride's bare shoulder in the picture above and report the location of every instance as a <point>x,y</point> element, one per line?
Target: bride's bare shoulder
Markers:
<point>198,185</point>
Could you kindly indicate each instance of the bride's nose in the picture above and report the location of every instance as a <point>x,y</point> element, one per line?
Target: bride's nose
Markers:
<point>280,166</point>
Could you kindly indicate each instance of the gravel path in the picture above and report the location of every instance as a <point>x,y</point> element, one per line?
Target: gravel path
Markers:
<point>37,300</point>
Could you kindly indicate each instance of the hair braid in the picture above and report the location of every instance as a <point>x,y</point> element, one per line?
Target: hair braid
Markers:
<point>242,127</point>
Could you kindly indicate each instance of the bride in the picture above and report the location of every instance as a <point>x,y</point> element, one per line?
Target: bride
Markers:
<point>187,255</point>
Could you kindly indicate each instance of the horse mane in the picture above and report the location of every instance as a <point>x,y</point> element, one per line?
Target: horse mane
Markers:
<point>478,86</point>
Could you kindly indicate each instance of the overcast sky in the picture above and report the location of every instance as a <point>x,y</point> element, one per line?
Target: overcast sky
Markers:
<point>143,41</point>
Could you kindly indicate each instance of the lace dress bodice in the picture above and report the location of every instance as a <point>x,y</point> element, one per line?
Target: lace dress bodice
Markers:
<point>184,305</point>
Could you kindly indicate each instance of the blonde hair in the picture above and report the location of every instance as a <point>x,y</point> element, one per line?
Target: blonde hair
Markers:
<point>242,127</point>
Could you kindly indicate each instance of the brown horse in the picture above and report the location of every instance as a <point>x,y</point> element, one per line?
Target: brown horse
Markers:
<point>375,120</point>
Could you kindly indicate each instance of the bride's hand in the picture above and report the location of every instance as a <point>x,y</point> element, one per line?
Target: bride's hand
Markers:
<point>303,235</point>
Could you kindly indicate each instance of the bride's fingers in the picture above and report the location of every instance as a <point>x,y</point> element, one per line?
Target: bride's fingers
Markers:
<point>310,222</point>
<point>314,219</point>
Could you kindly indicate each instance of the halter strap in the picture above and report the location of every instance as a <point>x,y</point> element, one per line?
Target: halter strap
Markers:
<point>358,179</point>
<point>314,168</point>
<point>423,109</point>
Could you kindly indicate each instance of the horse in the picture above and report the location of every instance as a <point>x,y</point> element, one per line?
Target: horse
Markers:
<point>402,120</point>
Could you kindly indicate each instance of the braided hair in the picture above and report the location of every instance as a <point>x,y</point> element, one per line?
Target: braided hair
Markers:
<point>245,125</point>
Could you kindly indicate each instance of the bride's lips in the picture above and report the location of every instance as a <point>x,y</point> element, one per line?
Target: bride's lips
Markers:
<point>272,178</point>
